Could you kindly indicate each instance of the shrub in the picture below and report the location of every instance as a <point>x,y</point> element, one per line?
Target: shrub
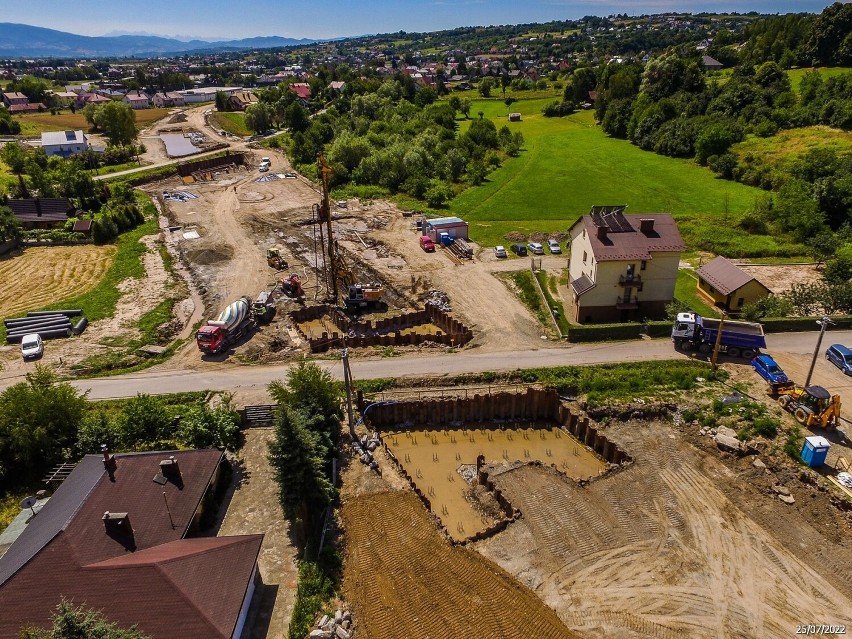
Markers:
<point>793,445</point>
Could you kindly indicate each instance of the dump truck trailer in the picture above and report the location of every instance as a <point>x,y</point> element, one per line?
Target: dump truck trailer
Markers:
<point>739,339</point>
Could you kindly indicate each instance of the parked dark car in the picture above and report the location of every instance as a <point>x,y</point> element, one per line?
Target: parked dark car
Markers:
<point>519,249</point>
<point>841,357</point>
<point>769,370</point>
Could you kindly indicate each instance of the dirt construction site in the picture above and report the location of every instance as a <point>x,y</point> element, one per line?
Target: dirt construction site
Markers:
<point>678,539</point>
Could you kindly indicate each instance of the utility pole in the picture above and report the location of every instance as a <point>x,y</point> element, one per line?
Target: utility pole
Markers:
<point>324,214</point>
<point>824,322</point>
<point>347,380</point>
<point>718,341</point>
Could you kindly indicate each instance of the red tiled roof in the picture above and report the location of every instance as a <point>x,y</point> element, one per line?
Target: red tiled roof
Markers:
<point>302,89</point>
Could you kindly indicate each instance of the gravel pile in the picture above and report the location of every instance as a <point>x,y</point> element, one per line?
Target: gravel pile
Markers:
<point>439,300</point>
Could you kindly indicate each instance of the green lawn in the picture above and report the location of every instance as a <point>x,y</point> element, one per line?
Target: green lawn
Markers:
<point>234,123</point>
<point>686,291</point>
<point>568,165</point>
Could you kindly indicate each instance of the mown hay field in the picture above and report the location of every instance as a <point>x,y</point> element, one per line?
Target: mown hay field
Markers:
<point>404,580</point>
<point>37,123</point>
<point>44,275</point>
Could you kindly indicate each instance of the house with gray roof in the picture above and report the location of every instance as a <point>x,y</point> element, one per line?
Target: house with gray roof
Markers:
<point>622,267</point>
<point>64,143</point>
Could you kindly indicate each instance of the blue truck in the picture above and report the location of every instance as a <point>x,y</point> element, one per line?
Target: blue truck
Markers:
<point>739,339</point>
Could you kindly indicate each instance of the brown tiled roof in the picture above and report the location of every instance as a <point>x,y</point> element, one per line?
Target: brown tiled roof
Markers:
<point>44,209</point>
<point>171,587</point>
<point>726,277</point>
<point>26,108</point>
<point>628,242</point>
<point>188,588</point>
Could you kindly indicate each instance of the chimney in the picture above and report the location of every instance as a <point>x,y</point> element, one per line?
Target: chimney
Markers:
<point>117,524</point>
<point>602,231</point>
<point>646,226</point>
<point>170,470</point>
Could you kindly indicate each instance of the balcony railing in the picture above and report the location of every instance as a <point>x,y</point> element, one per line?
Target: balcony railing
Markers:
<point>634,281</point>
<point>626,303</point>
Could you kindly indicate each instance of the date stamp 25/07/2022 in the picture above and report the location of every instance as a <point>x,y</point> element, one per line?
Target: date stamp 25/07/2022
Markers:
<point>820,629</point>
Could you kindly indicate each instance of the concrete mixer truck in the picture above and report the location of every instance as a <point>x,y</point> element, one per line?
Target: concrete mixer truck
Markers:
<point>228,327</point>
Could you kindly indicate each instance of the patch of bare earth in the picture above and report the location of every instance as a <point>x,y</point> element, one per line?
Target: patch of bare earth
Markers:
<point>679,544</point>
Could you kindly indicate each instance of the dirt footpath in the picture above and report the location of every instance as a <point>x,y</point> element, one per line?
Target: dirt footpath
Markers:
<point>254,509</point>
<point>671,547</point>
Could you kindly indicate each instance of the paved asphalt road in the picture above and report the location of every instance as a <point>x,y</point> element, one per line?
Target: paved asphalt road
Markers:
<point>798,345</point>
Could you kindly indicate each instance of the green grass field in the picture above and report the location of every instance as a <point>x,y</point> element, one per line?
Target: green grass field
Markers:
<point>796,75</point>
<point>793,143</point>
<point>234,123</point>
<point>568,165</point>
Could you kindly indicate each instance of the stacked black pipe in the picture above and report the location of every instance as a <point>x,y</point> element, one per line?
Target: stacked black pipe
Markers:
<point>48,324</point>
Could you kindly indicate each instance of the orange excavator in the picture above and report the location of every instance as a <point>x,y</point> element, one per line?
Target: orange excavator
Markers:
<point>810,405</point>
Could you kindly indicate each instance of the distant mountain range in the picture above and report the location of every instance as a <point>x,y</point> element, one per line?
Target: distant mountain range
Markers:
<point>26,41</point>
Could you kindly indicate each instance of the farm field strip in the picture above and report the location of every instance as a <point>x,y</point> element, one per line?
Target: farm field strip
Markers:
<point>403,580</point>
<point>44,275</point>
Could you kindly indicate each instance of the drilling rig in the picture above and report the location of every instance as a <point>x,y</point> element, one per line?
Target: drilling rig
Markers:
<point>337,272</point>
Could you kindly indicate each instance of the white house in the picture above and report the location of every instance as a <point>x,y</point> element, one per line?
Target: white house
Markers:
<point>623,267</point>
<point>64,143</point>
<point>137,100</point>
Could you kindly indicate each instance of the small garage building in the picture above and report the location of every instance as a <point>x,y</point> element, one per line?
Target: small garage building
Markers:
<point>456,227</point>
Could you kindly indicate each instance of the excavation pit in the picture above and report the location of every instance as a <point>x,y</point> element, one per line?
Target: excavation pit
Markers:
<point>325,327</point>
<point>442,466</point>
<point>448,468</point>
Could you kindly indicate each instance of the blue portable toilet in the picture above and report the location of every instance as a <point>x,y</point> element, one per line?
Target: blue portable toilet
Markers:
<point>815,451</point>
<point>445,238</point>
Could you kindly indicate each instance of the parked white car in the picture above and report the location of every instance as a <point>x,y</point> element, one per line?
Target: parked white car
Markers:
<point>32,346</point>
<point>265,164</point>
<point>554,247</point>
<point>535,248</point>
<point>500,251</point>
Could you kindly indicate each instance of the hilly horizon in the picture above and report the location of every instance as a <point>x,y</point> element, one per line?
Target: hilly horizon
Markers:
<point>28,41</point>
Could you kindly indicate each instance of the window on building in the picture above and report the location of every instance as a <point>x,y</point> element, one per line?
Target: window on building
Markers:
<point>740,302</point>
<point>585,257</point>
<point>642,265</point>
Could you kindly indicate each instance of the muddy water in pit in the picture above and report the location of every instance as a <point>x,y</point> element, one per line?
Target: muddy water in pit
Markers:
<point>316,327</point>
<point>433,459</point>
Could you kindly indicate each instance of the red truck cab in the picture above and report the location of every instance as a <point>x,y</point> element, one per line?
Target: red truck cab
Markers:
<point>427,244</point>
<point>210,339</point>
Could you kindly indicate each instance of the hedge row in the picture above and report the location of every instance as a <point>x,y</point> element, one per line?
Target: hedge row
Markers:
<point>604,332</point>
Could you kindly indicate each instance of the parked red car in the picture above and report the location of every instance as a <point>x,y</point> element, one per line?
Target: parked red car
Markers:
<point>427,244</point>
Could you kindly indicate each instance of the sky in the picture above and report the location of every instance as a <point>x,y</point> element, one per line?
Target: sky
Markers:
<point>321,19</point>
